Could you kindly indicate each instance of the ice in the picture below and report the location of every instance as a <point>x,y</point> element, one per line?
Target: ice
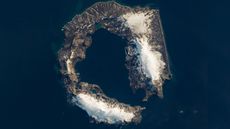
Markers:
<point>102,111</point>
<point>151,60</point>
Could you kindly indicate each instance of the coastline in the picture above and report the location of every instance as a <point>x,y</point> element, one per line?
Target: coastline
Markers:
<point>111,17</point>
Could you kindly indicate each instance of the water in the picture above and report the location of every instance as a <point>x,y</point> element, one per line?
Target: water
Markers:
<point>34,98</point>
<point>105,66</point>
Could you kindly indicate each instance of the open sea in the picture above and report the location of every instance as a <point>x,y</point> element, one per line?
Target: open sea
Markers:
<point>33,96</point>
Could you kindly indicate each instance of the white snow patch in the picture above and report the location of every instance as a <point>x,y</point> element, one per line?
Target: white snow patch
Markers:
<point>151,60</point>
<point>139,22</point>
<point>69,66</point>
<point>102,111</point>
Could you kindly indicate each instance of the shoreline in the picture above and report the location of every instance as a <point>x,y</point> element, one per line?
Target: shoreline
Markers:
<point>110,15</point>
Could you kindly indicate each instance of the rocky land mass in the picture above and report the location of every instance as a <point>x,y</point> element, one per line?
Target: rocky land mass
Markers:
<point>107,15</point>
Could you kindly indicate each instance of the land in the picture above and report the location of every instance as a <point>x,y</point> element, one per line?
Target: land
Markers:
<point>77,39</point>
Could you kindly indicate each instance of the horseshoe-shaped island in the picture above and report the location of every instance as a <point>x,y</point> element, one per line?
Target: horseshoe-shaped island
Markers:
<point>146,58</point>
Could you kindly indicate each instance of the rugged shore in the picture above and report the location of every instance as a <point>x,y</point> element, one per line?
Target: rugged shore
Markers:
<point>108,15</point>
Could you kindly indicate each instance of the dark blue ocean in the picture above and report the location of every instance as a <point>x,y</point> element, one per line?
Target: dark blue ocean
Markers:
<point>33,96</point>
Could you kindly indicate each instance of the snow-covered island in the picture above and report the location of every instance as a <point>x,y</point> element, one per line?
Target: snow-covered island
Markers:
<point>146,58</point>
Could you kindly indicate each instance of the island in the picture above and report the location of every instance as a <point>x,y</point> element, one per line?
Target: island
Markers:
<point>146,58</point>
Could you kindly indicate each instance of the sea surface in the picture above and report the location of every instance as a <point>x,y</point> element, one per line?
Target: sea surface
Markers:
<point>32,92</point>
